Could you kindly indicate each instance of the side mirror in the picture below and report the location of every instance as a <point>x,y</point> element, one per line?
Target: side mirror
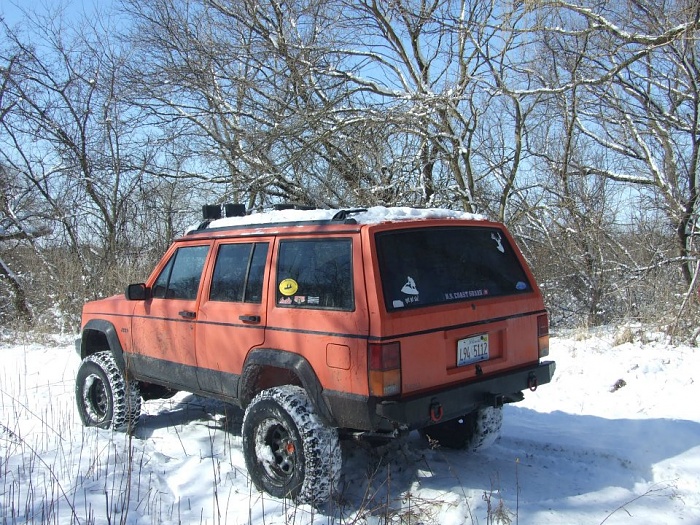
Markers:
<point>137,292</point>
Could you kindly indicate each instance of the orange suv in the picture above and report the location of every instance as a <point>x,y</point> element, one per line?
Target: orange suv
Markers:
<point>323,324</point>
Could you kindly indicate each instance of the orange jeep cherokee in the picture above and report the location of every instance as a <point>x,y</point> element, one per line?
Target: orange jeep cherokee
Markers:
<point>322,324</point>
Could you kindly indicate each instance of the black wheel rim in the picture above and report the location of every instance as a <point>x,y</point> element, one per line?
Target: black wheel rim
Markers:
<point>95,398</point>
<point>284,451</point>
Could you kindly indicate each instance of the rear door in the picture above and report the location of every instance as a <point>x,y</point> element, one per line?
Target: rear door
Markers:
<point>232,314</point>
<point>460,301</point>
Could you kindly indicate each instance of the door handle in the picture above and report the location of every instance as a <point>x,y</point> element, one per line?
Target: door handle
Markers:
<point>249,318</point>
<point>187,315</point>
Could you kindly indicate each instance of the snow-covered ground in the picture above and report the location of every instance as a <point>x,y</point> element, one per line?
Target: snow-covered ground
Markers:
<point>615,439</point>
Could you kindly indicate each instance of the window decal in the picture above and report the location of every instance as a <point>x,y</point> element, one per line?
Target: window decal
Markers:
<point>288,287</point>
<point>499,244</point>
<point>469,294</point>
<point>410,287</point>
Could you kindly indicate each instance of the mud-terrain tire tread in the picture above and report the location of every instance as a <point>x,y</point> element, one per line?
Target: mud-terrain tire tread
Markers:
<point>474,431</point>
<point>316,461</point>
<point>121,398</point>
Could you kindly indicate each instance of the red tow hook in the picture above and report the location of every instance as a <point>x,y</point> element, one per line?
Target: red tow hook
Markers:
<point>435,411</point>
<point>532,382</point>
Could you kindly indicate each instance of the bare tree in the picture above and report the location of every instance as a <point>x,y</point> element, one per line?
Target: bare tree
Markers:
<point>19,217</point>
<point>21,223</point>
<point>71,136</point>
<point>616,146</point>
<point>576,124</point>
<point>340,102</point>
<point>247,84</point>
<point>638,103</point>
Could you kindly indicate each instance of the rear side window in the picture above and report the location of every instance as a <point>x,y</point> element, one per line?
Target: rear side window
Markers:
<point>430,266</point>
<point>315,274</point>
<point>181,275</point>
<point>238,273</point>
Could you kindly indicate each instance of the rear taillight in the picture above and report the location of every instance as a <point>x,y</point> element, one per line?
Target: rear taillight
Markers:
<point>543,335</point>
<point>384,369</point>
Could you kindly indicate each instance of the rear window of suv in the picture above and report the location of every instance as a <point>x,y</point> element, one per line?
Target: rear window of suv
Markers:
<point>430,266</point>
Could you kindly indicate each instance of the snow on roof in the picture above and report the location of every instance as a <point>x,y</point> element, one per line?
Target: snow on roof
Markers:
<point>374,215</point>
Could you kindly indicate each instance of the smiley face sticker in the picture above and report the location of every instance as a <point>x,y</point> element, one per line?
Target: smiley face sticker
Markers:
<point>288,287</point>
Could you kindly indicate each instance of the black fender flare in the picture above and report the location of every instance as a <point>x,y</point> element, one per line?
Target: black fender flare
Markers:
<point>268,357</point>
<point>110,333</point>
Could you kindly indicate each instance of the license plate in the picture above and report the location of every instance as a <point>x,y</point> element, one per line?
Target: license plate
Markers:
<point>472,349</point>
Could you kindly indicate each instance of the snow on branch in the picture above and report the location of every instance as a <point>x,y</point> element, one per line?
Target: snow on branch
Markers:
<point>600,22</point>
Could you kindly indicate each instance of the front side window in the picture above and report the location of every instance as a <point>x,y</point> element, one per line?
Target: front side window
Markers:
<point>315,274</point>
<point>430,266</point>
<point>238,273</point>
<point>181,275</point>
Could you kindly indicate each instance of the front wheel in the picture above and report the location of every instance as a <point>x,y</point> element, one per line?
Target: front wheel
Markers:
<point>474,431</point>
<point>288,450</point>
<point>105,399</point>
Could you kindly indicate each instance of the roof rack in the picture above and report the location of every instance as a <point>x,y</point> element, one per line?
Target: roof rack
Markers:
<point>343,215</point>
<point>213,212</point>
<point>292,206</point>
<point>276,216</point>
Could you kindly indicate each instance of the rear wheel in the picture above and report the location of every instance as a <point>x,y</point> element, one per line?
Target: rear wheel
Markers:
<point>105,399</point>
<point>474,431</point>
<point>289,451</point>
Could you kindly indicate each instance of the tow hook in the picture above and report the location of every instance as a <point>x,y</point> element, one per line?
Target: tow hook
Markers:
<point>494,400</point>
<point>532,382</point>
<point>435,411</point>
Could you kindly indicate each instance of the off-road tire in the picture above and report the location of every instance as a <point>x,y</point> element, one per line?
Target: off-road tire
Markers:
<point>105,399</point>
<point>289,451</point>
<point>474,431</point>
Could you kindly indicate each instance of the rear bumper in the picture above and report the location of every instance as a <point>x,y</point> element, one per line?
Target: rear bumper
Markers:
<point>370,414</point>
<point>448,404</point>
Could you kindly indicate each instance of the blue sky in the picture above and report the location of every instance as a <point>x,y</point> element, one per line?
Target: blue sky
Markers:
<point>12,14</point>
<point>9,12</point>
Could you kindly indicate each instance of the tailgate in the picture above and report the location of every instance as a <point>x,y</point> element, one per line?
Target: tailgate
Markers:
<point>471,352</point>
<point>460,301</point>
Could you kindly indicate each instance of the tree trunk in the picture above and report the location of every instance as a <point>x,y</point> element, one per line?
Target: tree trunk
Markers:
<point>19,299</point>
